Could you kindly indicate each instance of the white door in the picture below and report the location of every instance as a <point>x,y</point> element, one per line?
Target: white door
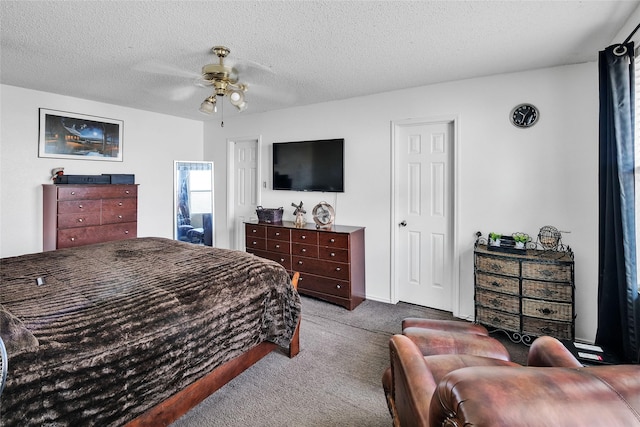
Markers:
<point>243,188</point>
<point>423,212</point>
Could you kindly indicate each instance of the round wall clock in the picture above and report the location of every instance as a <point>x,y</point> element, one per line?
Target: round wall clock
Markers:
<point>524,115</point>
<point>323,215</point>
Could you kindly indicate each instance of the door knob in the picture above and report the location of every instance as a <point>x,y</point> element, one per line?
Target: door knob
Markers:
<point>403,224</point>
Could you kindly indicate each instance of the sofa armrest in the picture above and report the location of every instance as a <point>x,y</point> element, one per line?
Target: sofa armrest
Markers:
<point>412,383</point>
<point>432,342</point>
<point>538,396</point>
<point>548,351</point>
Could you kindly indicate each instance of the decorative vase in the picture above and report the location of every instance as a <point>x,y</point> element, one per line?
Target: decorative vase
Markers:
<point>519,245</point>
<point>495,242</point>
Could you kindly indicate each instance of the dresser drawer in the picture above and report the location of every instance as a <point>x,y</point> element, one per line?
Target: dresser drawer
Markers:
<point>78,219</point>
<point>491,264</point>
<point>308,237</point>
<point>547,290</point>
<point>498,301</point>
<point>547,309</point>
<point>275,233</point>
<point>278,246</point>
<point>333,240</point>
<point>282,259</point>
<point>119,205</point>
<point>253,242</point>
<point>544,271</point>
<point>310,251</point>
<point>114,217</point>
<point>507,285</point>
<point>97,192</point>
<point>259,231</point>
<point>539,327</point>
<point>331,269</point>
<point>324,285</point>
<point>333,254</point>
<point>72,237</point>
<point>497,319</point>
<point>77,206</point>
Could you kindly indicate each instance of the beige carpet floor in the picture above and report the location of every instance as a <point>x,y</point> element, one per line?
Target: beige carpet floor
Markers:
<point>334,381</point>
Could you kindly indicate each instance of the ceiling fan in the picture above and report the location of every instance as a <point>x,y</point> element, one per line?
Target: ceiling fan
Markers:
<point>224,80</point>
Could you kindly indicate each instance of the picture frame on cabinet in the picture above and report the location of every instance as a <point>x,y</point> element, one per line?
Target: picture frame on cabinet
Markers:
<point>65,135</point>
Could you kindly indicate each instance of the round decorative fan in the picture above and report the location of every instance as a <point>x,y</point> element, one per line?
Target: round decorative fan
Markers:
<point>4,364</point>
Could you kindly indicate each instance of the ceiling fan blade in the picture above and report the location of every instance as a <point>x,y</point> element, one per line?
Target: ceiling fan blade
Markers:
<point>246,67</point>
<point>165,69</point>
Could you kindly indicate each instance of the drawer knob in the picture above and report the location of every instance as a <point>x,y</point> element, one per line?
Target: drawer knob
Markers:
<point>80,206</point>
<point>277,246</point>
<point>332,240</point>
<point>546,311</point>
<point>338,287</point>
<point>126,231</point>
<point>338,269</point>
<point>303,237</point>
<point>277,234</point>
<point>299,262</point>
<point>332,254</point>
<point>303,250</point>
<point>496,284</point>
<point>73,193</point>
<point>126,192</point>
<point>254,243</point>
<point>80,220</point>
<point>253,230</point>
<point>73,239</point>
<point>119,216</point>
<point>281,259</point>
<point>119,203</point>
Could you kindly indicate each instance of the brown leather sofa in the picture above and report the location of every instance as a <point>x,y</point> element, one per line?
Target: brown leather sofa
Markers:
<point>458,376</point>
<point>454,388</point>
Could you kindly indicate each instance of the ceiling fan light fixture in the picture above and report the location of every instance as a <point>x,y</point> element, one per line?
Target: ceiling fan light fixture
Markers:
<point>208,106</point>
<point>241,107</point>
<point>236,97</point>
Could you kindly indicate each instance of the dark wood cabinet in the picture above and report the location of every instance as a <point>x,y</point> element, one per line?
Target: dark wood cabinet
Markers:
<point>525,294</point>
<point>330,261</point>
<point>77,215</point>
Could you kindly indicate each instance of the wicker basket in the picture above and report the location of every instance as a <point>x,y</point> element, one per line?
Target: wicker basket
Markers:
<point>269,215</point>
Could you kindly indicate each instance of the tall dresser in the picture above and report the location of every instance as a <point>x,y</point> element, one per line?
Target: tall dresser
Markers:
<point>526,294</point>
<point>77,215</point>
<point>330,261</point>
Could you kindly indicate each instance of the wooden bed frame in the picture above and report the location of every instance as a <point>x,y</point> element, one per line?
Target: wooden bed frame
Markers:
<point>180,403</point>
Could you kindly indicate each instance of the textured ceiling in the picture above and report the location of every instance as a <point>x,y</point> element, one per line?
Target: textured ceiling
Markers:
<point>146,54</point>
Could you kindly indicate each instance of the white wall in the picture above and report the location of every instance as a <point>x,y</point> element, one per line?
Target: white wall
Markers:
<point>545,175</point>
<point>151,142</point>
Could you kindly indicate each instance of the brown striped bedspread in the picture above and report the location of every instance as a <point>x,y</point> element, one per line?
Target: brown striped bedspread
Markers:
<point>119,327</point>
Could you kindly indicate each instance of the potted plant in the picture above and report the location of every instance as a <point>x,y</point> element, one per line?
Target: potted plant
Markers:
<point>521,239</point>
<point>494,239</point>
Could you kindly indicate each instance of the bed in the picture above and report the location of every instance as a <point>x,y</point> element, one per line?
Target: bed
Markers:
<point>135,332</point>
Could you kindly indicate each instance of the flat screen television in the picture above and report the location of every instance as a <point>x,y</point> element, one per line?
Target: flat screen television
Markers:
<point>316,165</point>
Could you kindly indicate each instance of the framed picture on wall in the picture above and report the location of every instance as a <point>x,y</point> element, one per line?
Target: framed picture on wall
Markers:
<point>66,135</point>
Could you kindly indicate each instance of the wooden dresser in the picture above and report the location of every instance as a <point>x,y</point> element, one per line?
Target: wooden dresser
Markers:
<point>330,261</point>
<point>77,215</point>
<point>526,294</point>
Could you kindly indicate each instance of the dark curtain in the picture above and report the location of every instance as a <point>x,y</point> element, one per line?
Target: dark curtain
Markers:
<point>618,299</point>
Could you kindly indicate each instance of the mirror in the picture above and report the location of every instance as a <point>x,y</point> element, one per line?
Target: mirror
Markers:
<point>193,202</point>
